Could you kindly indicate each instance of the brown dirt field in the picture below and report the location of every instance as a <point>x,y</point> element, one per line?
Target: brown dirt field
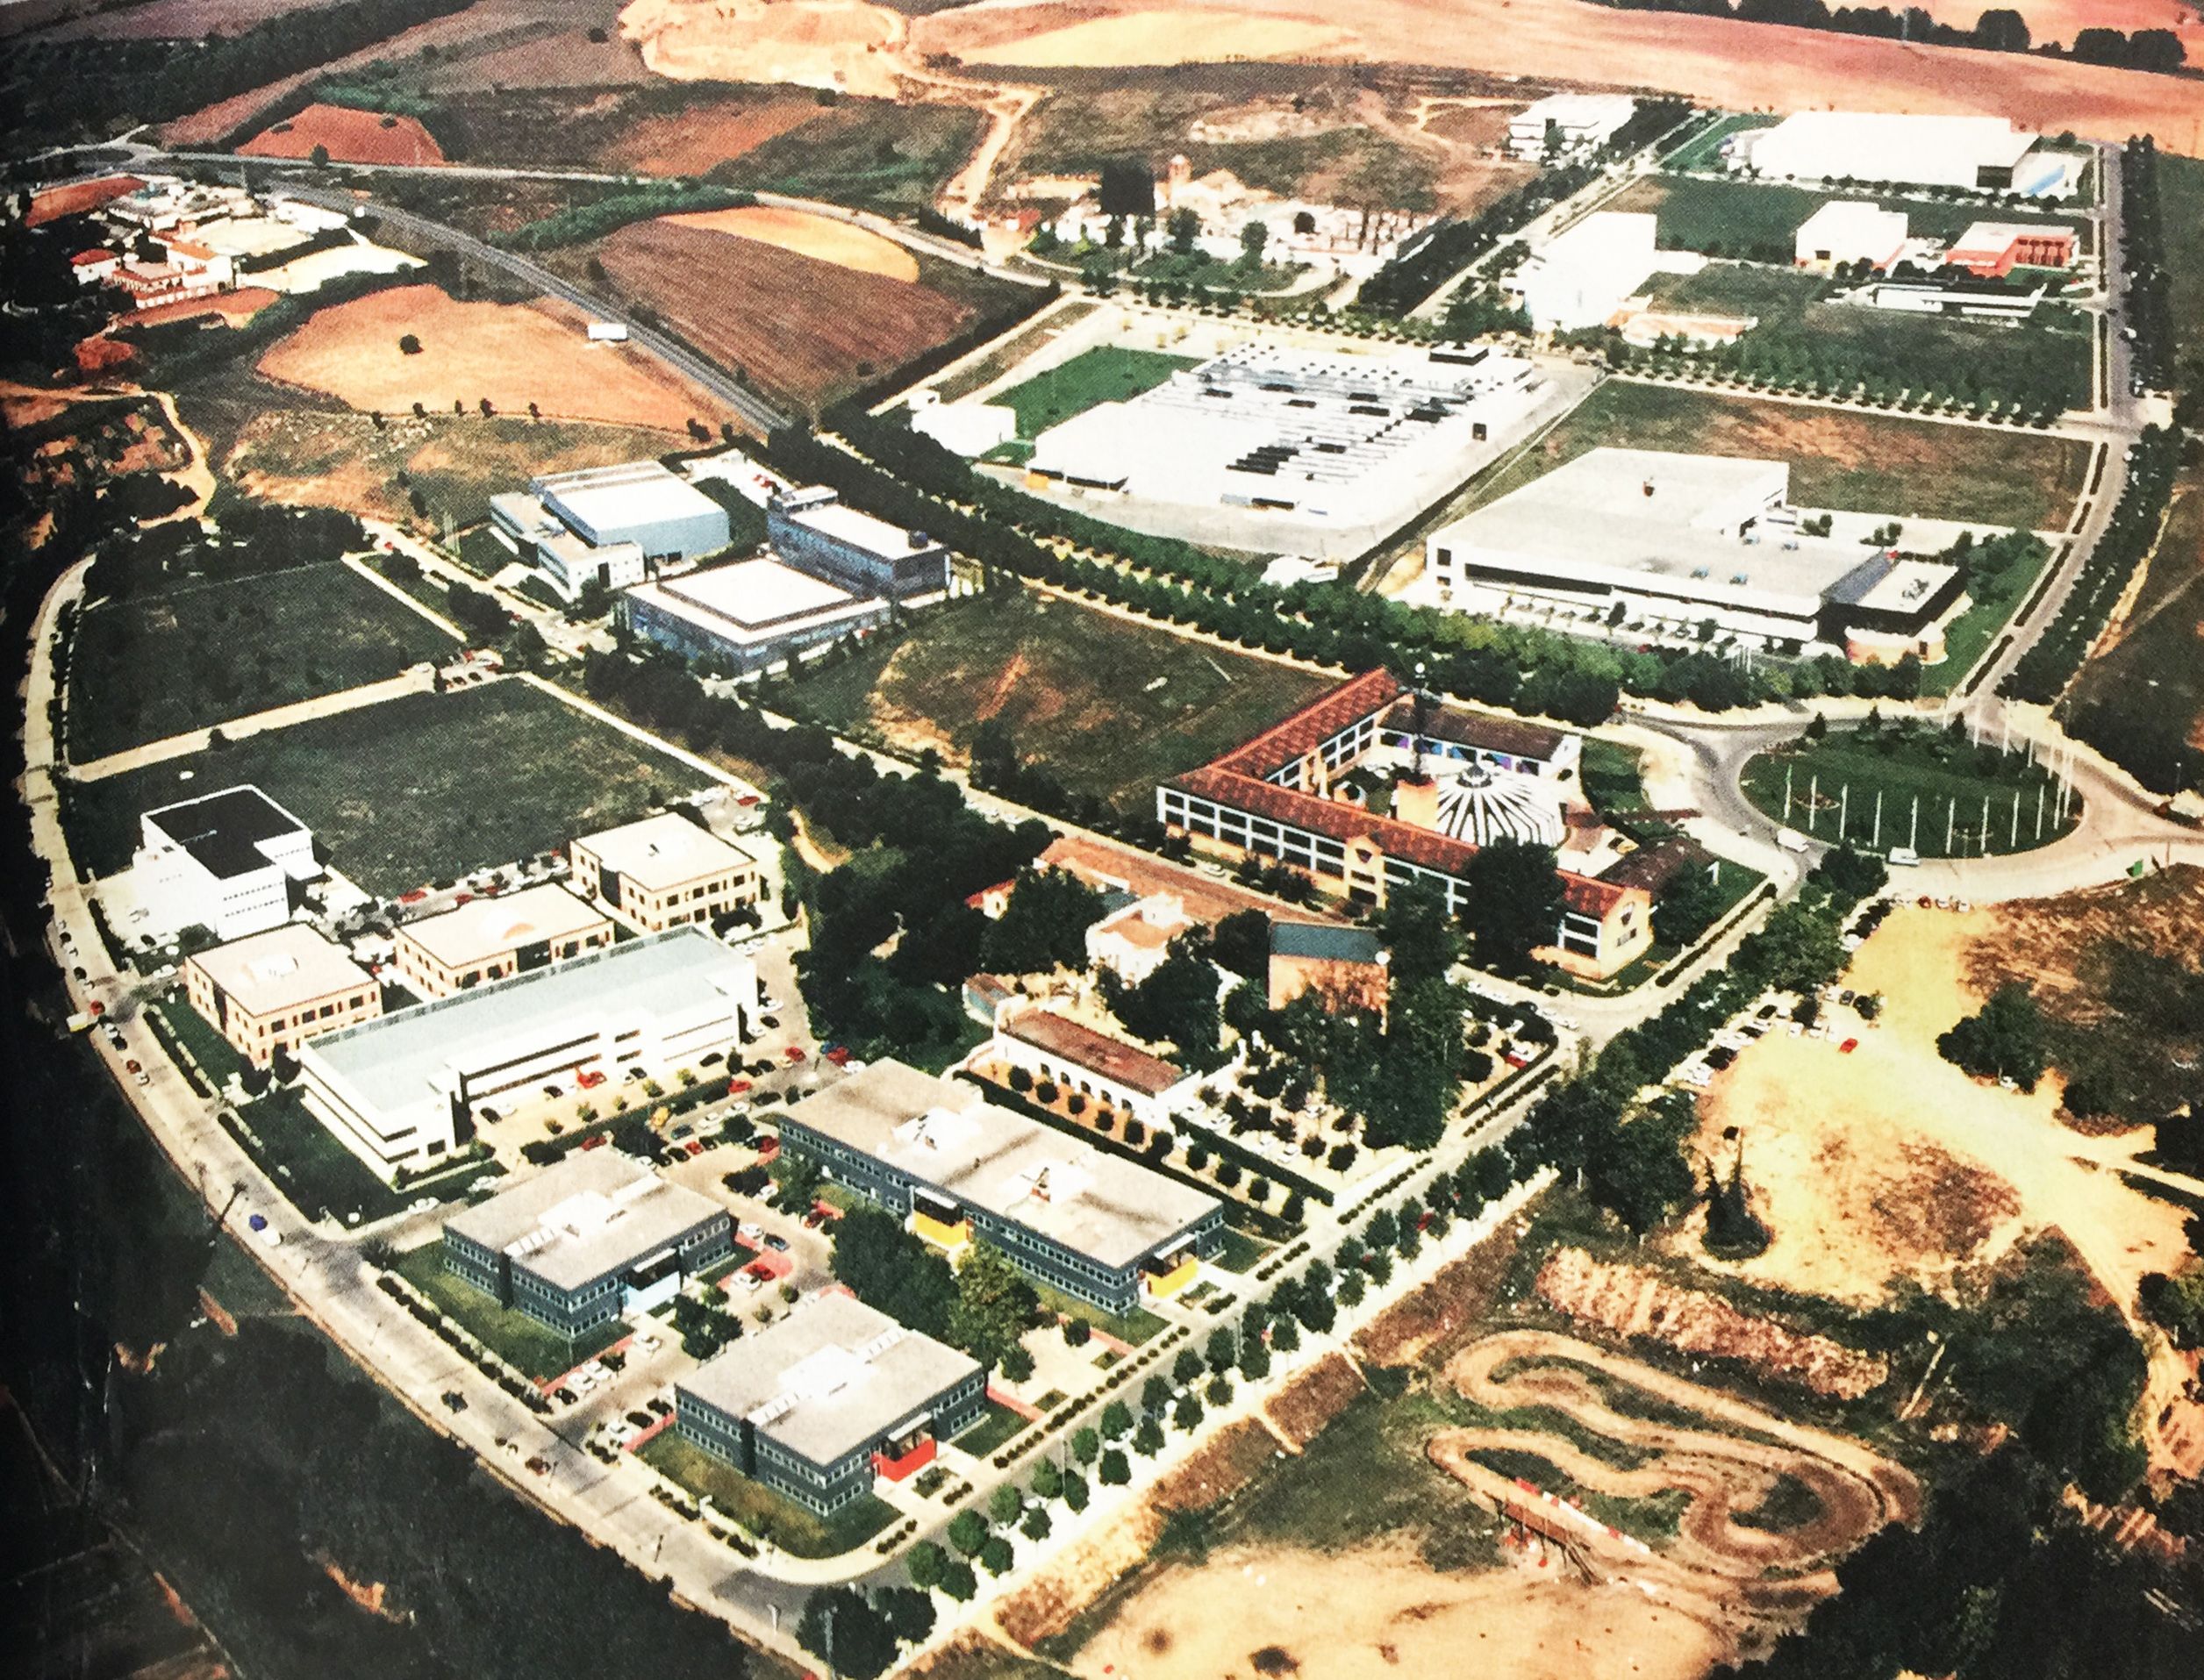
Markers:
<point>234,307</point>
<point>1157,36</point>
<point>513,355</point>
<point>1380,1614</point>
<point>350,136</point>
<point>846,41</point>
<point>1302,1409</point>
<point>1219,1470</point>
<point>807,330</point>
<point>697,140</point>
<point>807,235</point>
<point>1445,1310</point>
<point>78,197</point>
<point>2061,20</point>
<point>1479,123</point>
<point>1742,66</point>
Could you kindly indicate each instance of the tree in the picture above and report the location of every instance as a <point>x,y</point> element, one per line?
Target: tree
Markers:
<point>1422,936</point>
<point>1075,1490</point>
<point>1148,1438</point>
<point>968,1532</point>
<point>2002,30</point>
<point>893,1270</point>
<point>703,1330</point>
<point>1155,1394</point>
<point>1687,906</point>
<point>996,1557</point>
<point>1186,1368</point>
<point>1220,1350</point>
<point>2003,1039</point>
<point>1241,944</point>
<point>1638,1171</point>
<point>1183,227</point>
<point>958,1581</point>
<point>1514,902</point>
<point>925,1562</point>
<point>839,1625</point>
<point>1253,237</point>
<point>1086,1444</point>
<point>994,1304</point>
<point>1127,188</point>
<point>1116,1420</point>
<point>1006,1503</point>
<point>1187,1413</point>
<point>409,345</point>
<point>318,156</point>
<point>907,1611</point>
<point>1048,1480</point>
<point>1035,1526</point>
<point>1115,1471</point>
<point>1177,1004</point>
<point>1044,924</point>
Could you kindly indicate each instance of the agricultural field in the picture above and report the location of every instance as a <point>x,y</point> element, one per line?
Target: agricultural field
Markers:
<point>824,236</point>
<point>808,330</point>
<point>160,665</point>
<point>876,156</point>
<point>2140,698</point>
<point>346,136</point>
<point>1106,373</point>
<point>1870,463</point>
<point>431,786</point>
<point>1108,707</point>
<point>1757,220</point>
<point>511,356</point>
<point>1841,777</point>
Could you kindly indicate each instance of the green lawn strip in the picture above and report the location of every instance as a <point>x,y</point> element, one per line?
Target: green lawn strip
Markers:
<point>765,1512</point>
<point>2181,227</point>
<point>1135,1326</point>
<point>1944,772</point>
<point>1760,219</point>
<point>542,593</point>
<point>1704,151</point>
<point>1614,778</point>
<point>1240,1252</point>
<point>215,1056</point>
<point>428,590</point>
<point>998,1425</point>
<point>425,786</point>
<point>1545,1420</point>
<point>1788,1503</point>
<point>1105,374</point>
<point>983,371</point>
<point>534,1348</point>
<point>1767,295</point>
<point>159,665</point>
<point>480,552</point>
<point>318,1175</point>
<point>1991,602</point>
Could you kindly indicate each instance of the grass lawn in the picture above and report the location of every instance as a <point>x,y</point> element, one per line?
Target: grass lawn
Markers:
<point>423,788</point>
<point>428,590</point>
<point>760,1509</point>
<point>1135,1326</point>
<point>1864,462</point>
<point>1767,295</point>
<point>181,1025</point>
<point>1110,707</point>
<point>2181,221</point>
<point>1758,219</point>
<point>1991,600</point>
<point>1944,773</point>
<point>1614,778</point>
<point>480,552</point>
<point>1105,374</point>
<point>534,1349</point>
<point>1705,151</point>
<point>1240,1252</point>
<point>318,1175</point>
<point>159,665</point>
<point>999,1424</point>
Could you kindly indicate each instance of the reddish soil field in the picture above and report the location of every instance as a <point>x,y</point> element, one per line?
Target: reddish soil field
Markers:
<point>79,197</point>
<point>691,142</point>
<point>235,307</point>
<point>350,136</point>
<point>810,331</point>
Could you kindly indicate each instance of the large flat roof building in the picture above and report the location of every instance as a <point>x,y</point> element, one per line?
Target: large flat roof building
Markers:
<point>1687,538</point>
<point>1083,1221</point>
<point>268,993</point>
<point>749,615</point>
<point>396,1091</point>
<point>615,526</point>
<point>1568,125</point>
<point>225,862</point>
<point>1847,231</point>
<point>814,529</point>
<point>1975,154</point>
<point>834,1394</point>
<point>493,939</point>
<point>665,871</point>
<point>1580,277</point>
<point>591,1237</point>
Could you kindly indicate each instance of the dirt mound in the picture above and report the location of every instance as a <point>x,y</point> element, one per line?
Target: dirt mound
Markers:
<point>1446,1308</point>
<point>843,44</point>
<point>347,136</point>
<point>1633,1302</point>
<point>1311,1400</point>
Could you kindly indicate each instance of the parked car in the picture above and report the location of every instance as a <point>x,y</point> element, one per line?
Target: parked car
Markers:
<point>540,1466</point>
<point>777,1242</point>
<point>1848,1046</point>
<point>588,1079</point>
<point>595,1142</point>
<point>641,1420</point>
<point>752,1282</point>
<point>564,1395</point>
<point>695,1147</point>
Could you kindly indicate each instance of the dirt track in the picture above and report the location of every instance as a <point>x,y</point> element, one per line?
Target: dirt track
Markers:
<point>1718,1570</point>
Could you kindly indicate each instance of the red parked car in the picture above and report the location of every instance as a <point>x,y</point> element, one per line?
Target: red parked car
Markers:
<point>837,1054</point>
<point>736,1087</point>
<point>588,1079</point>
<point>794,1053</point>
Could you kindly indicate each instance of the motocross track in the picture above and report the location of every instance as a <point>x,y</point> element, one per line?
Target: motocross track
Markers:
<point>1722,1573</point>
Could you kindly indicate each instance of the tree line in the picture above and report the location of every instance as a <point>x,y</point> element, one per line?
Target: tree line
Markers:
<point>1998,30</point>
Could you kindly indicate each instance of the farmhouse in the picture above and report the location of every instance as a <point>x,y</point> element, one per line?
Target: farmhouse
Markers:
<point>1996,248</point>
<point>1092,1224</point>
<point>1332,438</point>
<point>1845,231</point>
<point>1975,154</point>
<point>1633,533</point>
<point>1049,1046</point>
<point>589,1240</point>
<point>225,862</point>
<point>269,993</point>
<point>664,871</point>
<point>1579,278</point>
<point>1568,125</point>
<point>1132,939</point>
<point>615,525</point>
<point>829,1399</point>
<point>813,531</point>
<point>748,616</point>
<point>492,938</point>
<point>395,1091</point>
<point>1312,791</point>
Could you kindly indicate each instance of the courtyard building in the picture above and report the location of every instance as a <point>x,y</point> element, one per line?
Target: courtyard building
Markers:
<point>596,1237</point>
<point>398,1091</point>
<point>821,1404</point>
<point>494,939</point>
<point>665,871</point>
<point>268,993</point>
<point>932,1151</point>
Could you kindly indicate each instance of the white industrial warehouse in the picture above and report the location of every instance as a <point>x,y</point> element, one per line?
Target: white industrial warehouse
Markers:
<point>1975,154</point>
<point>1633,533</point>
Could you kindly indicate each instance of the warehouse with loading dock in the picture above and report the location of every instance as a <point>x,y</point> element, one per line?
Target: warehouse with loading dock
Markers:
<point>615,525</point>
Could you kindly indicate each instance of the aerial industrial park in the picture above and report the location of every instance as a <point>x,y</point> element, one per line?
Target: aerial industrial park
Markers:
<point>1028,839</point>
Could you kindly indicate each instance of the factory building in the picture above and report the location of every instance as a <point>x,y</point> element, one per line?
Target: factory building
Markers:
<point>1845,231</point>
<point>753,614</point>
<point>227,861</point>
<point>1580,277</point>
<point>814,531</point>
<point>1568,125</point>
<point>1973,154</point>
<point>615,525</point>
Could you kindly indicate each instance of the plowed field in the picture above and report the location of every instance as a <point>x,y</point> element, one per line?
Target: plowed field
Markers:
<point>349,136</point>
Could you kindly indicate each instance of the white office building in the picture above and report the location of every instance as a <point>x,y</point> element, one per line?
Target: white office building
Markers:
<point>224,862</point>
<point>615,525</point>
<point>1568,125</point>
<point>395,1091</point>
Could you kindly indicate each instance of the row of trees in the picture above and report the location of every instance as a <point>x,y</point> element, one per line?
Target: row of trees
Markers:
<point>1998,30</point>
<point>2146,282</point>
<point>252,539</point>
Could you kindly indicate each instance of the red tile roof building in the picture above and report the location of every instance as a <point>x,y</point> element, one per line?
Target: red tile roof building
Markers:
<point>1272,797</point>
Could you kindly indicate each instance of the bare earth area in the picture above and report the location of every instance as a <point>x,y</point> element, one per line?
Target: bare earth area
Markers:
<point>347,136</point>
<point>810,236</point>
<point>843,44</point>
<point>1741,65</point>
<point>1157,36</point>
<point>514,354</point>
<point>696,140</point>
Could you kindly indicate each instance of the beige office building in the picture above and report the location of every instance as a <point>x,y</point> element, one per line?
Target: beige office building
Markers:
<point>494,939</point>
<point>665,871</point>
<point>272,992</point>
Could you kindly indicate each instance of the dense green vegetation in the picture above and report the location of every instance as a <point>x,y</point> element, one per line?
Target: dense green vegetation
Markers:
<point>1106,373</point>
<point>578,223</point>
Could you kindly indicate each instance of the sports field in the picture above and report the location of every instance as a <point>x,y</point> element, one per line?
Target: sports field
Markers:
<point>1106,373</point>
<point>159,665</point>
<point>419,789</point>
<point>1868,462</point>
<point>1108,707</point>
